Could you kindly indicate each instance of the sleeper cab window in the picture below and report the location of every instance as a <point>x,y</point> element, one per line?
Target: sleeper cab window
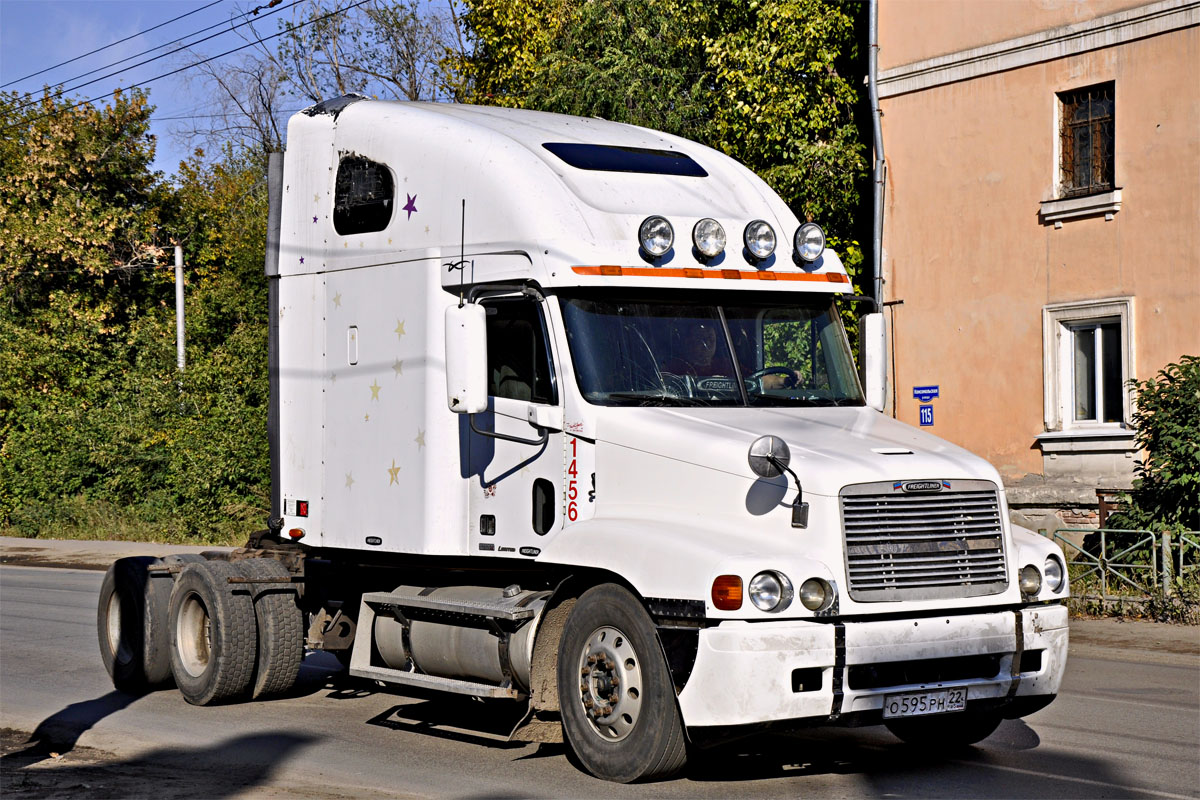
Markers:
<point>364,196</point>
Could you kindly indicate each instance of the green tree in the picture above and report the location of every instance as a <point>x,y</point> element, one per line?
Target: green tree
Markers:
<point>98,429</point>
<point>765,82</point>
<point>1166,492</point>
<point>79,236</point>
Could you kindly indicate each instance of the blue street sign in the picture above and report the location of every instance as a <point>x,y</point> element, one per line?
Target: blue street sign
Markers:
<point>926,415</point>
<point>925,393</point>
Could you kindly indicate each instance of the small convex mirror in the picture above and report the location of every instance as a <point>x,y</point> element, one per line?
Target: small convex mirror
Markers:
<point>769,456</point>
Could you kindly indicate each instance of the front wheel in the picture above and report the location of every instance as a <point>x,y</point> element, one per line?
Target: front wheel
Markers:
<point>954,731</point>
<point>615,691</point>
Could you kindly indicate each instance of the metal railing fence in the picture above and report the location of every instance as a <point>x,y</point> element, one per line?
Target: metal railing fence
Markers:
<point>1112,564</point>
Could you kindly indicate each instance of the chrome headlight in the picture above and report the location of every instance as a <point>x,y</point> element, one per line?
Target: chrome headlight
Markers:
<point>709,237</point>
<point>656,236</point>
<point>759,238</point>
<point>816,594</point>
<point>1055,574</point>
<point>809,241</point>
<point>1030,580</point>
<point>770,591</point>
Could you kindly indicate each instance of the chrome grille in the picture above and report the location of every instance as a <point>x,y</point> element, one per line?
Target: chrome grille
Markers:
<point>923,545</point>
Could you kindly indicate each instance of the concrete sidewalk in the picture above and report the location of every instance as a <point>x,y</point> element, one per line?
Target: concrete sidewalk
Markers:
<point>1134,639</point>
<point>82,553</point>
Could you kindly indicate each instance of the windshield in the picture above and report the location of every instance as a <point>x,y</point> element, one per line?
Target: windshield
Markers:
<point>636,351</point>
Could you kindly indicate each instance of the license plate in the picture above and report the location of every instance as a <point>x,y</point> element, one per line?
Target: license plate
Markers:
<point>916,704</point>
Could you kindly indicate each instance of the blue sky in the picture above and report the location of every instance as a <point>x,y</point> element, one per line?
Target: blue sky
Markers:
<point>35,34</point>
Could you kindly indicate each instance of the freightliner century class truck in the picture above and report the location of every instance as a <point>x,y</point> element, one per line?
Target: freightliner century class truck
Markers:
<point>563,413</point>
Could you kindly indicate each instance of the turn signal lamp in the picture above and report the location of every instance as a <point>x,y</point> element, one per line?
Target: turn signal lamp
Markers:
<point>759,238</point>
<point>656,236</point>
<point>296,533</point>
<point>727,592</point>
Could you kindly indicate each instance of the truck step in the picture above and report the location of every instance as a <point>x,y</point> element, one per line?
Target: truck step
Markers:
<point>452,685</point>
<point>470,607</point>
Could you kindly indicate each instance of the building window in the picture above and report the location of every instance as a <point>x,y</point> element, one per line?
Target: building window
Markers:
<point>1096,374</point>
<point>1086,140</point>
<point>1088,357</point>
<point>363,196</point>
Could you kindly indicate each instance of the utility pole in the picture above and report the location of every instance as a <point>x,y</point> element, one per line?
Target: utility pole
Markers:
<point>179,327</point>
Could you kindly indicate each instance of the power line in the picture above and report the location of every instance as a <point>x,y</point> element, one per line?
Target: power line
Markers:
<point>113,44</point>
<point>60,92</point>
<point>139,85</point>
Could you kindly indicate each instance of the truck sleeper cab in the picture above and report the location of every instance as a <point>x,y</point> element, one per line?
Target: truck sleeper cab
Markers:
<point>564,412</point>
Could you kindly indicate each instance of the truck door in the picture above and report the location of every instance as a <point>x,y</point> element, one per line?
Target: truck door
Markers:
<point>516,486</point>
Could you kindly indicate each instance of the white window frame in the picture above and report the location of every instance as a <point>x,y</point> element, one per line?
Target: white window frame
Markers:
<point>1058,322</point>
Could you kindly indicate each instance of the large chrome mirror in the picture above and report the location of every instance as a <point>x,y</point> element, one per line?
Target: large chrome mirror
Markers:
<point>769,456</point>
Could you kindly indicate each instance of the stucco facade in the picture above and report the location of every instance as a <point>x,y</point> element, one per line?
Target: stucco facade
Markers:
<point>988,265</point>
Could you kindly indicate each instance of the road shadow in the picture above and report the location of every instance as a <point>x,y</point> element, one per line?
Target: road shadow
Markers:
<point>228,769</point>
<point>58,733</point>
<point>889,768</point>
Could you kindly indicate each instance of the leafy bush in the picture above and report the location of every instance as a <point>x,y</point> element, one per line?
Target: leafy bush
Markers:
<point>1166,492</point>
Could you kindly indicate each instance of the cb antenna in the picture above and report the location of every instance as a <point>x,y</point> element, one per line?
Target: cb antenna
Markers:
<point>462,259</point>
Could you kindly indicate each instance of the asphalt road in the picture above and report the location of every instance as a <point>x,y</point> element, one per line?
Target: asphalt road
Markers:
<point>1126,725</point>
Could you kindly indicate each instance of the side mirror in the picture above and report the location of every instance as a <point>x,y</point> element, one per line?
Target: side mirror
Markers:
<point>873,358</point>
<point>466,359</point>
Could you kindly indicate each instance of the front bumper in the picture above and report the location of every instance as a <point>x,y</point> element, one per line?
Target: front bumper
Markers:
<point>761,672</point>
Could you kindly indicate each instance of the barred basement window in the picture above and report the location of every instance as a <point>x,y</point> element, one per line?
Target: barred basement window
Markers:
<point>1086,136</point>
<point>363,196</point>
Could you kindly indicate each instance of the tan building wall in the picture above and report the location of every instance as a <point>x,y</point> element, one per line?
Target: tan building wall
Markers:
<point>972,157</point>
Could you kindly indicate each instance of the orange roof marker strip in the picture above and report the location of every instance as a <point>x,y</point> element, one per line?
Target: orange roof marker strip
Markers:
<point>721,274</point>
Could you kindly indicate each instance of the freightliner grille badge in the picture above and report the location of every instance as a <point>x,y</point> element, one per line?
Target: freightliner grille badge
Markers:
<point>921,486</point>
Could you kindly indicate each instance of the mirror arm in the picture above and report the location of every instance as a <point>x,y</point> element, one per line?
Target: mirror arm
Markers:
<point>504,288</point>
<point>493,435</point>
<point>799,507</point>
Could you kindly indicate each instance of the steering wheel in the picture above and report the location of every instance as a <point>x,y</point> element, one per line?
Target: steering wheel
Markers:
<point>758,375</point>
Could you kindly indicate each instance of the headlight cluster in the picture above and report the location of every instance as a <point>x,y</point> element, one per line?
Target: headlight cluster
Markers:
<point>656,236</point>
<point>771,591</point>
<point>1053,574</point>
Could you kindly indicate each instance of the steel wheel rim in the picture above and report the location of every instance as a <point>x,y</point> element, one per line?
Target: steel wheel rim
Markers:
<point>193,636</point>
<point>117,645</point>
<point>610,684</point>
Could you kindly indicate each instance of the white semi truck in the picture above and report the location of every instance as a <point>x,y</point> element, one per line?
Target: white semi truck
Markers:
<point>563,412</point>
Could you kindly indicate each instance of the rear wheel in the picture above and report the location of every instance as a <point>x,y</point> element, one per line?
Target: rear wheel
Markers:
<point>280,628</point>
<point>615,691</point>
<point>130,622</point>
<point>213,634</point>
<point>945,731</point>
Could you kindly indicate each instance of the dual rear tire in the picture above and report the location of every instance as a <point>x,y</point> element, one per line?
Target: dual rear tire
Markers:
<point>218,640</point>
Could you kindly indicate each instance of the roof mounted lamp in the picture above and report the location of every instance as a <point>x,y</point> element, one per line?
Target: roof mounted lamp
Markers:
<point>709,238</point>
<point>656,236</point>
<point>759,238</point>
<point>809,242</point>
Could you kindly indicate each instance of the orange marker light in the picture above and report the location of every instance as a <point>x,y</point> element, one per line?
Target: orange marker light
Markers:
<point>298,533</point>
<point>727,592</point>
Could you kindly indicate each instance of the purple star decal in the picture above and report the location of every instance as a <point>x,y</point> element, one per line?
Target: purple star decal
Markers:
<point>301,259</point>
<point>314,220</point>
<point>411,205</point>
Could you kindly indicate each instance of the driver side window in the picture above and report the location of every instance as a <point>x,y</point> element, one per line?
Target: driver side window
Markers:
<point>518,351</point>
